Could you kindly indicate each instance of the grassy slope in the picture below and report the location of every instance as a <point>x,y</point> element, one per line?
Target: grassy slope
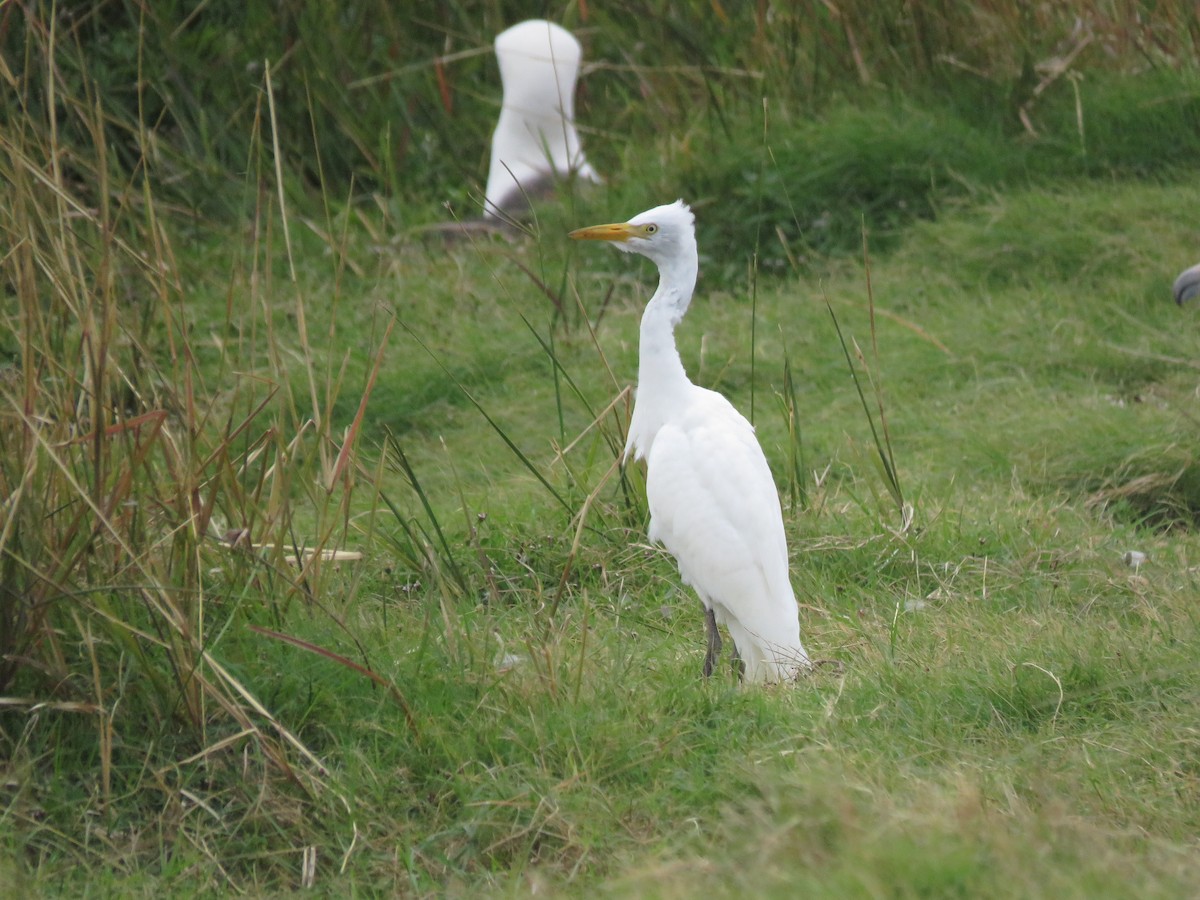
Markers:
<point>1013,715</point>
<point>1014,712</point>
<point>1013,709</point>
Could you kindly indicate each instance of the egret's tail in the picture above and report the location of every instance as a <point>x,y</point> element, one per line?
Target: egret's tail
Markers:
<point>767,660</point>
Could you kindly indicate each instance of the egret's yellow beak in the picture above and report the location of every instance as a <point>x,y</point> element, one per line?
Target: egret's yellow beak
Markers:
<point>618,231</point>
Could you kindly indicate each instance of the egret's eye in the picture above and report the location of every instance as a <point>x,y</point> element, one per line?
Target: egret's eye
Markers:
<point>651,229</point>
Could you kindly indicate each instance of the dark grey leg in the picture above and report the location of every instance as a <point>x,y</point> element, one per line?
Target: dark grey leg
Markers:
<point>714,642</point>
<point>738,665</point>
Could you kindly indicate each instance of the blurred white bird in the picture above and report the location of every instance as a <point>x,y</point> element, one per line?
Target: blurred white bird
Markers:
<point>535,142</point>
<point>713,502</point>
<point>1187,285</point>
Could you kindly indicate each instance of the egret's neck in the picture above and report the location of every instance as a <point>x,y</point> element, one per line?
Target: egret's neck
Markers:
<point>659,365</point>
<point>663,384</point>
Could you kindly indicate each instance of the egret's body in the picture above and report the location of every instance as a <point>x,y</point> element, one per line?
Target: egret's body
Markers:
<point>535,142</point>
<point>1187,285</point>
<point>713,502</point>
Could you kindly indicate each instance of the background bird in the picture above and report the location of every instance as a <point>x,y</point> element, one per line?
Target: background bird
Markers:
<point>713,502</point>
<point>535,142</point>
<point>1187,285</point>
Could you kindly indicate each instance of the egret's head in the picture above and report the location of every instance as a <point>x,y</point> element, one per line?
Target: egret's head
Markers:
<point>665,234</point>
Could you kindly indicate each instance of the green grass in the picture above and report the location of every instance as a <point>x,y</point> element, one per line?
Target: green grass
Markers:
<point>1012,711</point>
<point>503,694</point>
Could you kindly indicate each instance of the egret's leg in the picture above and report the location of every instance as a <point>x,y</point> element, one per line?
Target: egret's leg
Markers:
<point>738,664</point>
<point>714,641</point>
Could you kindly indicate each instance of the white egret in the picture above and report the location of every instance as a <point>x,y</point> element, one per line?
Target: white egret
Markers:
<point>535,142</point>
<point>1187,285</point>
<point>713,502</point>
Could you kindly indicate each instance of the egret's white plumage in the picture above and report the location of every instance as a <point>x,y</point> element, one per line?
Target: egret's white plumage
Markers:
<point>713,502</point>
<point>535,141</point>
<point>1187,285</point>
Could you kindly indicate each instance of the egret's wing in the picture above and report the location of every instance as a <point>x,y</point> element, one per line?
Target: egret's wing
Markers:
<point>714,505</point>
